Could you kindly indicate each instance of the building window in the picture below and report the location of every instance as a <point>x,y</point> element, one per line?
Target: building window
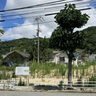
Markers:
<point>62,59</point>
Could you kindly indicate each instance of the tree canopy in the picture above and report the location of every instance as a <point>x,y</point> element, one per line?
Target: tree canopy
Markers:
<point>1,32</point>
<point>64,37</point>
<point>63,40</point>
<point>70,18</point>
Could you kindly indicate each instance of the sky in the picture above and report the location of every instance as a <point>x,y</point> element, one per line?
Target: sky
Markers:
<point>26,27</point>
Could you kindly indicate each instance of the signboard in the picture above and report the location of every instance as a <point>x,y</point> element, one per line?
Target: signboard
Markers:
<point>22,71</point>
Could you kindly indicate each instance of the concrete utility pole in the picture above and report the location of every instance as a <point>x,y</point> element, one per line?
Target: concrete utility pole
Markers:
<point>38,30</point>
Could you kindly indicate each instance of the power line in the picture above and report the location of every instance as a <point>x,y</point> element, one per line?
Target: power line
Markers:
<point>41,5</point>
<point>48,14</point>
<point>34,12</point>
<point>2,20</point>
<point>56,13</point>
<point>63,6</point>
<point>39,22</point>
<point>33,6</point>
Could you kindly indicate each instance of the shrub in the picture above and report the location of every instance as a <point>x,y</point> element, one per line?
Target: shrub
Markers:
<point>4,75</point>
<point>61,85</point>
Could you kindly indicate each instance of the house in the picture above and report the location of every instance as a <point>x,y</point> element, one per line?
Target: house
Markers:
<point>92,57</point>
<point>15,57</point>
<point>60,57</point>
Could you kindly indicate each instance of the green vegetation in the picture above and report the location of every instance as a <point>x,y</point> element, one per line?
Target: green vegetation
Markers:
<point>28,45</point>
<point>7,68</point>
<point>52,70</point>
<point>44,69</point>
<point>61,85</point>
<point>90,39</point>
<point>60,70</point>
<point>64,37</point>
<point>4,75</point>
<point>1,32</point>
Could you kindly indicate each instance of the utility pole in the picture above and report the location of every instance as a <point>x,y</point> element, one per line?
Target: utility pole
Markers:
<point>38,30</point>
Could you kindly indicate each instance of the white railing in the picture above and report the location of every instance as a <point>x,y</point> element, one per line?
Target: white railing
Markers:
<point>84,84</point>
<point>80,84</point>
<point>7,84</point>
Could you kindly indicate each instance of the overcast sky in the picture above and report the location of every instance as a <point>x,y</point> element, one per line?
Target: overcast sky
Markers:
<point>26,27</point>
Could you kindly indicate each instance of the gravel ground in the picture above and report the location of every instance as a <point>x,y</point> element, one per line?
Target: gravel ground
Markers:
<point>14,93</point>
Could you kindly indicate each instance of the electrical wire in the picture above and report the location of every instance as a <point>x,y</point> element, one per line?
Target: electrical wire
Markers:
<point>41,5</point>
<point>33,6</point>
<point>48,14</point>
<point>34,12</point>
<point>42,15</point>
<point>30,24</point>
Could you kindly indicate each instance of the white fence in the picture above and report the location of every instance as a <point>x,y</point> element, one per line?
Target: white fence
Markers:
<point>84,84</point>
<point>7,84</point>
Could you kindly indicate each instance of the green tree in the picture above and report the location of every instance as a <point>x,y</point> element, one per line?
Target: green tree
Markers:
<point>1,32</point>
<point>28,46</point>
<point>64,37</point>
<point>90,46</point>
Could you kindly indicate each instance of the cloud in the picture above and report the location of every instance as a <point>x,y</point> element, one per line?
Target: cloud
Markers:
<point>29,30</point>
<point>26,30</point>
<point>92,21</point>
<point>22,3</point>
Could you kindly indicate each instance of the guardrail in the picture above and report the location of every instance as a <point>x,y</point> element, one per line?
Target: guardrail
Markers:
<point>7,84</point>
<point>84,84</point>
<point>75,84</point>
<point>79,84</point>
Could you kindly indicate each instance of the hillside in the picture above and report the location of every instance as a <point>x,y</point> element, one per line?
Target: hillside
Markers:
<point>90,39</point>
<point>28,45</point>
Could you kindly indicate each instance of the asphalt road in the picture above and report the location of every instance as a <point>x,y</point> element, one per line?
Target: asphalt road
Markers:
<point>14,93</point>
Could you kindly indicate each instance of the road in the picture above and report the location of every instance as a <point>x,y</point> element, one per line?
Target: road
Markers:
<point>14,93</point>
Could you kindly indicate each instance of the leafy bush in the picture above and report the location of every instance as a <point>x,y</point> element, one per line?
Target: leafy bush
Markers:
<point>4,75</point>
<point>31,84</point>
<point>61,85</point>
<point>13,75</point>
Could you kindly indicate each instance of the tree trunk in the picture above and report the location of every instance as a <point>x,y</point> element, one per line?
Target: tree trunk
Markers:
<point>70,72</point>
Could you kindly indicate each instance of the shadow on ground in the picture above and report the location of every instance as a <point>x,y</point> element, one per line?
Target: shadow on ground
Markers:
<point>46,87</point>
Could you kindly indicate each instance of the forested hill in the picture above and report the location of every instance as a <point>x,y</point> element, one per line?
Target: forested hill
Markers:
<point>28,45</point>
<point>91,39</point>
